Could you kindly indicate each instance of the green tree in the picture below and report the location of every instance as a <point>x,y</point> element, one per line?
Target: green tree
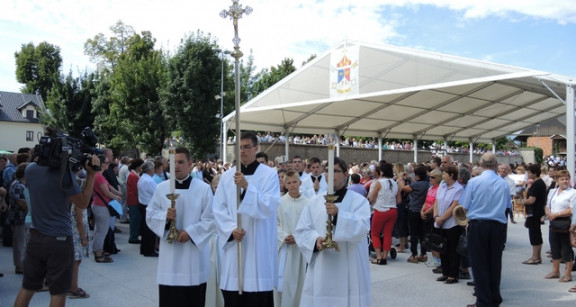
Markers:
<point>38,67</point>
<point>136,119</point>
<point>188,99</point>
<point>106,51</point>
<point>267,78</point>
<point>70,104</point>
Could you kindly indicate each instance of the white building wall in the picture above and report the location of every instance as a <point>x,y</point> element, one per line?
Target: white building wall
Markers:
<point>13,135</point>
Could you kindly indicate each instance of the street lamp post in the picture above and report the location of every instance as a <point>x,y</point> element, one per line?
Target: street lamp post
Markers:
<point>221,97</point>
<point>235,12</point>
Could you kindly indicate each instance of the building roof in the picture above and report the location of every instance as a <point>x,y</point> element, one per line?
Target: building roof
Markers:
<point>408,94</point>
<point>11,105</point>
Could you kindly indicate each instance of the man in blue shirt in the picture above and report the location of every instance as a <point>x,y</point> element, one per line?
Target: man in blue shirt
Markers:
<point>486,198</point>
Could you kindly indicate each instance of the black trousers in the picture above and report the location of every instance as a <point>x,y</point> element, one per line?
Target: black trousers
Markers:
<point>148,242</point>
<point>485,246</point>
<point>248,299</point>
<point>184,296</point>
<point>416,233</point>
<point>450,260</point>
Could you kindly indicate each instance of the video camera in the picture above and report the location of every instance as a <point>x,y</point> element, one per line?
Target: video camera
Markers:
<point>56,150</point>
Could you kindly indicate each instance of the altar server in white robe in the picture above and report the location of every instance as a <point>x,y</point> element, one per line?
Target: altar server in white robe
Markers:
<point>336,278</point>
<point>317,176</point>
<point>184,264</point>
<point>259,201</point>
<point>292,266</point>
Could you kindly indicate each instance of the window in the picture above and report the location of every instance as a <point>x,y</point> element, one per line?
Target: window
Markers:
<point>30,136</point>
<point>30,114</point>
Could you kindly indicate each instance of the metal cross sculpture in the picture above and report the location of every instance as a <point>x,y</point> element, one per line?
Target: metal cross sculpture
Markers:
<point>235,12</point>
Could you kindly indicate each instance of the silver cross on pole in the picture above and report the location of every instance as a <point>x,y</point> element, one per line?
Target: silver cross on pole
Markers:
<point>235,12</point>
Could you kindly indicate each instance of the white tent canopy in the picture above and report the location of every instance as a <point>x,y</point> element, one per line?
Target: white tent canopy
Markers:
<point>408,94</point>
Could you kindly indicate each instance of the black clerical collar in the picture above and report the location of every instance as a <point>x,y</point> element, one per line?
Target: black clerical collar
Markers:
<point>318,178</point>
<point>341,193</point>
<point>184,184</point>
<point>249,169</point>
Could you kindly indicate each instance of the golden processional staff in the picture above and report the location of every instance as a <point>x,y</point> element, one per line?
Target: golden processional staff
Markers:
<point>173,232</point>
<point>330,196</point>
<point>235,12</point>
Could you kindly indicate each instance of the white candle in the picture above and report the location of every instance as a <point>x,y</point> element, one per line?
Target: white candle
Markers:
<point>330,170</point>
<point>172,170</point>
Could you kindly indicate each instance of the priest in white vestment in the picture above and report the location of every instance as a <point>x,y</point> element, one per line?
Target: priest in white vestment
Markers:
<point>259,201</point>
<point>184,264</point>
<point>292,266</point>
<point>336,278</point>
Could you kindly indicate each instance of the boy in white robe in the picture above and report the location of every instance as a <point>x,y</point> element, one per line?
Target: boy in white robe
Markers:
<point>292,267</point>
<point>336,278</point>
<point>259,201</point>
<point>184,264</point>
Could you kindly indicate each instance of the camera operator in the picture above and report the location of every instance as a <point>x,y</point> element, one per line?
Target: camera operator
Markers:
<point>50,250</point>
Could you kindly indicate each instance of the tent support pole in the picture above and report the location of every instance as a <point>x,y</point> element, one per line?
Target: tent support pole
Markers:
<point>415,149</point>
<point>286,143</point>
<point>471,152</point>
<point>570,128</point>
<point>379,146</point>
<point>494,146</point>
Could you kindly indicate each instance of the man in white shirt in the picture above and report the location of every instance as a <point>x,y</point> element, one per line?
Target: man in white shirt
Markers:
<point>184,264</point>
<point>317,176</point>
<point>504,172</point>
<point>259,201</point>
<point>307,187</point>
<point>146,187</point>
<point>123,173</point>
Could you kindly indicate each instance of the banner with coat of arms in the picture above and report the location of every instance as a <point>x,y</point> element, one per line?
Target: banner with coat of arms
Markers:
<point>344,72</point>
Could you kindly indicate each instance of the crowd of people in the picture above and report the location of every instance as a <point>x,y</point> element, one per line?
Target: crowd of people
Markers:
<point>372,143</point>
<point>276,214</point>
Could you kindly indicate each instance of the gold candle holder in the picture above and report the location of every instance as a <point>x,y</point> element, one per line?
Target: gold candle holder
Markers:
<point>329,243</point>
<point>173,233</point>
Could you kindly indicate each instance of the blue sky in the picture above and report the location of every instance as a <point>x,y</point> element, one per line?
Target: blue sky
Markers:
<point>537,34</point>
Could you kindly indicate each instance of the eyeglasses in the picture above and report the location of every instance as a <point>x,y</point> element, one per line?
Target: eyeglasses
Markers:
<point>246,147</point>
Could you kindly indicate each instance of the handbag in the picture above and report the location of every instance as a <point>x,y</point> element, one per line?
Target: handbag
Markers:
<point>436,242</point>
<point>560,224</point>
<point>114,206</point>
<point>462,247</point>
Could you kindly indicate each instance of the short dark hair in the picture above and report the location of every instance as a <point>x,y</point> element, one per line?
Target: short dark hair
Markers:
<point>452,170</point>
<point>262,154</point>
<point>135,163</point>
<point>297,157</point>
<point>355,178</point>
<point>19,173</point>
<point>437,160</point>
<point>183,150</point>
<point>341,163</point>
<point>386,169</point>
<point>22,157</point>
<point>535,169</point>
<point>315,160</point>
<point>249,135</point>
<point>420,171</point>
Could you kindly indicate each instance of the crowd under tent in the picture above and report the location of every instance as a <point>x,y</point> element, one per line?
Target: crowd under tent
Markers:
<point>383,91</point>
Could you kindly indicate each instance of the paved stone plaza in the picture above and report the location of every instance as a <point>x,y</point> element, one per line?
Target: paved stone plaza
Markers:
<point>130,280</point>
